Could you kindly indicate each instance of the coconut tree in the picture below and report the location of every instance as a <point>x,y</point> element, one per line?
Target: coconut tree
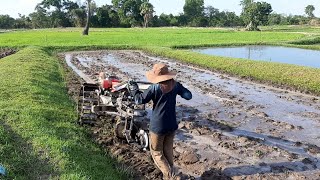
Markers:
<point>146,10</point>
<point>86,28</point>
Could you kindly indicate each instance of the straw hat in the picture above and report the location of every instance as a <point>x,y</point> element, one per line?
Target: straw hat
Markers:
<point>159,73</point>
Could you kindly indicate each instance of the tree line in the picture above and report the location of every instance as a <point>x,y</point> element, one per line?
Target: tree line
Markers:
<point>140,13</point>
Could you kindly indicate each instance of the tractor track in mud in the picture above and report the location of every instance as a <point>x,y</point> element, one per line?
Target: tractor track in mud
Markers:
<point>232,129</point>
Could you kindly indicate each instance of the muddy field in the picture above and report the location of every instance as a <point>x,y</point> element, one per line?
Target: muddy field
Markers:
<point>6,52</point>
<point>231,129</point>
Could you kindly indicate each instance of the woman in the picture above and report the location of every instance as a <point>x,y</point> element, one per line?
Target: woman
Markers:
<point>163,123</point>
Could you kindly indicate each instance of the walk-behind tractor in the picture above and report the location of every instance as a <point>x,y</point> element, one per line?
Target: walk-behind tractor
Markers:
<point>111,99</point>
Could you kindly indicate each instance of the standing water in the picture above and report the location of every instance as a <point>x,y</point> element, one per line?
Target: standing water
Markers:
<point>302,57</point>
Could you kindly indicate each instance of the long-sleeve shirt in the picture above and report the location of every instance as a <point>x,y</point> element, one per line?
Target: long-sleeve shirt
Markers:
<point>163,119</point>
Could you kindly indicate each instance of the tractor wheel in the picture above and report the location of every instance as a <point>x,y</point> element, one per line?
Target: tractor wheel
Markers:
<point>143,139</point>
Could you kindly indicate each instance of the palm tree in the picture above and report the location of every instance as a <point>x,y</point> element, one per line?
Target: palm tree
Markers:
<point>86,28</point>
<point>146,10</point>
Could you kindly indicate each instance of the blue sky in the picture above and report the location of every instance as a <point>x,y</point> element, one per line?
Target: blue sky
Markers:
<point>13,7</point>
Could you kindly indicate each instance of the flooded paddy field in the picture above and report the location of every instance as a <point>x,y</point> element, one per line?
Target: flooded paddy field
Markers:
<point>288,55</point>
<point>231,129</point>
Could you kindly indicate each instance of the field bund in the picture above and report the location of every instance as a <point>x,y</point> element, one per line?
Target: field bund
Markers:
<point>38,134</point>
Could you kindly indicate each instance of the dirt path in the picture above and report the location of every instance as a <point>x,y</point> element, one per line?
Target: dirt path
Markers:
<point>231,128</point>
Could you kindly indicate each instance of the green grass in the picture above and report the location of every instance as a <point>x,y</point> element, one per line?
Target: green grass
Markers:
<point>38,134</point>
<point>137,37</point>
<point>293,28</point>
<point>307,41</point>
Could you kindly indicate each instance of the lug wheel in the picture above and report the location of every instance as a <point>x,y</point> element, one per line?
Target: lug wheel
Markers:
<point>143,139</point>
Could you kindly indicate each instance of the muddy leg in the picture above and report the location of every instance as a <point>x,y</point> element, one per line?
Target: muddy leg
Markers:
<point>168,153</point>
<point>156,149</point>
<point>168,147</point>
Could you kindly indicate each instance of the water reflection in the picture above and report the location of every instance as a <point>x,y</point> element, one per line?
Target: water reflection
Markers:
<point>302,57</point>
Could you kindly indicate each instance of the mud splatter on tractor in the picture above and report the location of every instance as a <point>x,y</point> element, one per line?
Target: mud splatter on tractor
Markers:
<point>111,98</point>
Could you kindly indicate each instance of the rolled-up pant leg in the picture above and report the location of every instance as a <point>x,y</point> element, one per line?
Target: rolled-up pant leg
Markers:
<point>157,153</point>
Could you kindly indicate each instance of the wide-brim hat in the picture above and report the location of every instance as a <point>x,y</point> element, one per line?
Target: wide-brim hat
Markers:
<point>159,73</point>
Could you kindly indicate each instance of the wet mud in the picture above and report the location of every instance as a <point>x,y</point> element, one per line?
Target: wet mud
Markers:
<point>231,129</point>
<point>6,52</point>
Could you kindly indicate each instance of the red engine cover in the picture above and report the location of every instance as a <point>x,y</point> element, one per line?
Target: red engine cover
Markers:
<point>107,83</point>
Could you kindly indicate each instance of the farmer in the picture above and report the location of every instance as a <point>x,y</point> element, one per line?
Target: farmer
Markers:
<point>163,122</point>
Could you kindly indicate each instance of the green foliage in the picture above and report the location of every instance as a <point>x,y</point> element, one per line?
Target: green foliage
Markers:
<point>59,5</point>
<point>309,41</point>
<point>297,20</point>
<point>303,29</point>
<point>279,19</point>
<point>146,10</point>
<point>222,19</point>
<point>287,20</point>
<point>211,12</point>
<point>246,3</point>
<point>264,10</point>
<point>103,17</point>
<point>114,18</point>
<point>38,134</point>
<point>136,13</point>
<point>22,22</point>
<point>193,8</point>
<point>129,12</point>
<point>274,19</point>
<point>255,13</point>
<point>55,3</point>
<point>6,22</point>
<point>194,11</point>
<point>59,17</point>
<point>309,11</point>
<point>167,20</point>
<point>79,16</point>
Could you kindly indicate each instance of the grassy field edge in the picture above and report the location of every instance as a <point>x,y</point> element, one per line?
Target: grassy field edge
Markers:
<point>38,134</point>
